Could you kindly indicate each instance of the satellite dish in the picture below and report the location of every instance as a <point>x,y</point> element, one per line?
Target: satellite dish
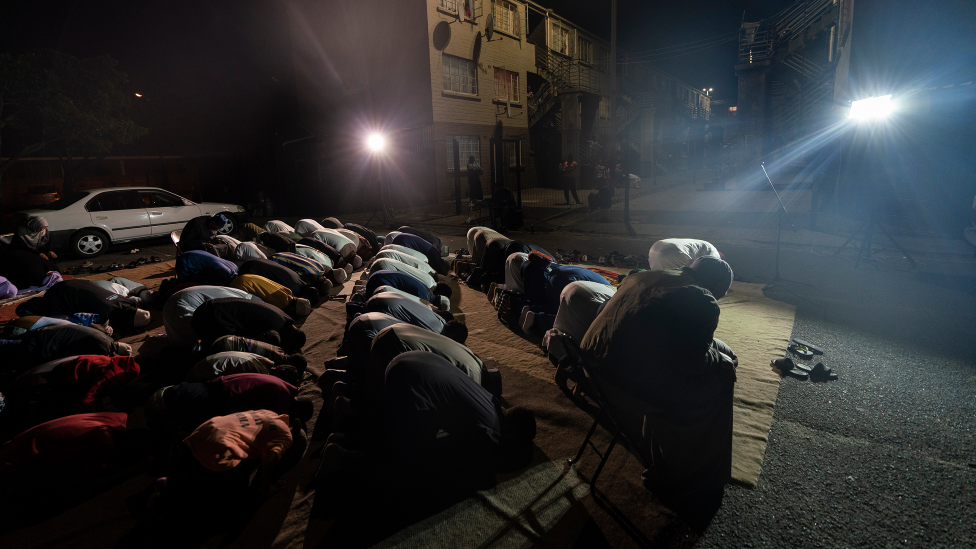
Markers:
<point>442,35</point>
<point>490,26</point>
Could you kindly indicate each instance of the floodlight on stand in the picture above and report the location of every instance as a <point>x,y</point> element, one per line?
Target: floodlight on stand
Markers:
<point>872,108</point>
<point>376,142</point>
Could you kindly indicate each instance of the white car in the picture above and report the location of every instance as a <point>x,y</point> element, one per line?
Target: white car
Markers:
<point>87,222</point>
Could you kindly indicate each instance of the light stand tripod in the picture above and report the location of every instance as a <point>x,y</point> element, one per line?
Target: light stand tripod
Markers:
<point>382,208</point>
<point>867,230</point>
<point>779,228</point>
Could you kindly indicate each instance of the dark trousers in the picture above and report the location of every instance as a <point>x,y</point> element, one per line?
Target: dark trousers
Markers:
<point>569,185</point>
<point>474,188</point>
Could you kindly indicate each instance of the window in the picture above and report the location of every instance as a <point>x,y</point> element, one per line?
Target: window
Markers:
<point>468,145</point>
<point>156,199</point>
<point>506,85</point>
<point>603,59</point>
<point>460,75</point>
<point>115,200</point>
<point>510,148</point>
<point>506,17</point>
<point>452,6</point>
<point>562,39</point>
<point>604,108</point>
<point>585,49</point>
<point>731,109</point>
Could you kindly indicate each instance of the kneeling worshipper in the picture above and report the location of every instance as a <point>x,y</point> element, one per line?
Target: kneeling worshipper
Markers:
<point>191,403</point>
<point>203,268</point>
<point>249,232</point>
<point>543,282</point>
<point>428,236</point>
<point>312,290</point>
<point>32,236</point>
<point>654,354</point>
<point>409,284</point>
<point>28,271</point>
<point>251,250</point>
<point>579,304</point>
<point>409,311</point>
<point>405,251</point>
<point>20,326</point>
<point>359,336</point>
<point>495,259</point>
<point>84,296</point>
<point>251,319</point>
<point>124,287</point>
<point>331,223</point>
<point>480,242</point>
<point>306,227</point>
<point>338,262</point>
<point>432,253</point>
<point>57,455</point>
<point>400,338</point>
<point>713,274</point>
<point>54,342</point>
<point>675,253</point>
<point>363,249</point>
<point>276,226</point>
<point>439,424</point>
<point>346,248</point>
<point>419,264</point>
<point>469,237</point>
<point>305,262</point>
<point>236,362</point>
<point>364,232</point>
<point>384,264</point>
<point>200,233</point>
<point>278,242</point>
<point>275,354</point>
<point>179,308</point>
<point>273,293</point>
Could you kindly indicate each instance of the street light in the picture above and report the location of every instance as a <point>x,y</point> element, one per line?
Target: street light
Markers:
<point>376,142</point>
<point>872,108</point>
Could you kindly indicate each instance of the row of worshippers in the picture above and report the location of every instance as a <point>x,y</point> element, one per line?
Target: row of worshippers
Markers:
<point>405,390</point>
<point>28,264</point>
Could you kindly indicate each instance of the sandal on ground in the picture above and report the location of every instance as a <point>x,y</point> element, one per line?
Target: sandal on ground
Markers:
<point>819,372</point>
<point>787,367</point>
<point>154,259</point>
<point>801,351</point>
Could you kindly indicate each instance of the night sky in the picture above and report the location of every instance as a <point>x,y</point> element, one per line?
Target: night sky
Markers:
<point>216,75</point>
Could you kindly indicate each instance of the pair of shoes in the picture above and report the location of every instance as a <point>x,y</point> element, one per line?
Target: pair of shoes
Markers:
<point>787,367</point>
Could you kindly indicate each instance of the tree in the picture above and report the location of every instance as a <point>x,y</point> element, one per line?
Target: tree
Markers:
<point>79,107</point>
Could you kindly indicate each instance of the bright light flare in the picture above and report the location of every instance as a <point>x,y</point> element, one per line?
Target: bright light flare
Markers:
<point>138,95</point>
<point>376,142</point>
<point>872,108</point>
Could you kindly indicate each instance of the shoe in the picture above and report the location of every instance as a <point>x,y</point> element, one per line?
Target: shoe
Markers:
<point>786,367</point>
<point>819,372</point>
<point>491,292</point>
<point>303,307</point>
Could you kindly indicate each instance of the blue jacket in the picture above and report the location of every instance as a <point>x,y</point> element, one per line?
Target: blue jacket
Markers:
<point>204,268</point>
<point>398,280</point>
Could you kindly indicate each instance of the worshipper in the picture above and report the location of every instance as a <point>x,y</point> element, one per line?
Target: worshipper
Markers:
<point>470,237</point>
<point>313,267</point>
<point>124,287</point>
<point>20,326</point>
<point>332,223</point>
<point>404,251</point>
<point>204,268</point>
<point>179,308</point>
<point>675,253</point>
<point>249,232</point>
<point>363,249</point>
<point>28,271</point>
<point>429,237</point>
<point>479,243</point>
<point>579,304</point>
<point>345,247</point>
<point>243,317</point>
<point>227,363</point>
<point>491,268</point>
<point>250,250</point>
<point>334,256</point>
<point>59,341</point>
<point>408,310</point>
<point>272,293</point>
<point>231,242</point>
<point>277,242</point>
<point>419,264</point>
<point>275,354</point>
<point>423,397</point>
<point>307,226</point>
<point>408,283</point>
<point>191,402</point>
<point>543,282</point>
<point>81,444</point>
<point>359,335</point>
<point>653,351</point>
<point>513,273</point>
<point>200,233</point>
<point>432,253</point>
<point>84,296</point>
<point>310,288</point>
<point>393,265</point>
<point>713,274</point>
<point>400,338</point>
<point>32,236</point>
<point>221,443</point>
<point>278,227</point>
<point>364,232</point>
<point>7,290</point>
<point>390,236</point>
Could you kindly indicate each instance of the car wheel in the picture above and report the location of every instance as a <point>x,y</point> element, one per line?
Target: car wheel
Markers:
<point>89,243</point>
<point>230,226</point>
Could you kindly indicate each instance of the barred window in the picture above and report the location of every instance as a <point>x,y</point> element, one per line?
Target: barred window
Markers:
<point>454,5</point>
<point>585,49</point>
<point>460,75</point>
<point>506,85</point>
<point>562,39</point>
<point>469,146</point>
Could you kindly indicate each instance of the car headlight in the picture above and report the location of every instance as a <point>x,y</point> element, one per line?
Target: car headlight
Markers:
<point>240,209</point>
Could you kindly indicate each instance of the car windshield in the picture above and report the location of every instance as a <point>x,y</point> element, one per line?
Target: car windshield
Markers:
<point>65,201</point>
